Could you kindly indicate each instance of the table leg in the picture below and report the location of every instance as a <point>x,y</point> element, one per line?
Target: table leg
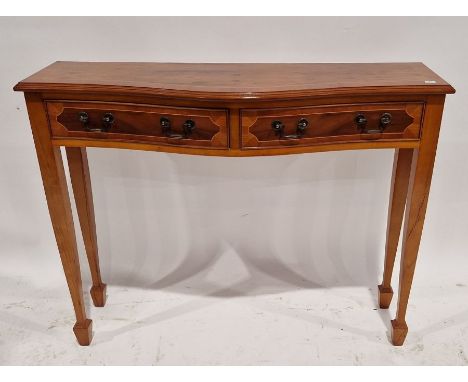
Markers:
<point>58,201</point>
<point>396,208</point>
<point>81,183</point>
<point>418,193</point>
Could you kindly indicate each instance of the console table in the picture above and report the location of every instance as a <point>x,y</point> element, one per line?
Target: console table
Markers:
<point>234,110</point>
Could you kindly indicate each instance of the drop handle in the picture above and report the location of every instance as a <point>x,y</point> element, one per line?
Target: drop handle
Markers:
<point>107,121</point>
<point>166,129</point>
<point>83,117</point>
<point>384,121</point>
<point>187,128</point>
<point>278,128</point>
<point>361,120</point>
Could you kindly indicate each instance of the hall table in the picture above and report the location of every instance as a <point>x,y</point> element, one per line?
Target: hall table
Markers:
<point>234,110</point>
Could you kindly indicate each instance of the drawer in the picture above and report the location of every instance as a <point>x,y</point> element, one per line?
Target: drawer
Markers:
<point>139,123</point>
<point>329,124</point>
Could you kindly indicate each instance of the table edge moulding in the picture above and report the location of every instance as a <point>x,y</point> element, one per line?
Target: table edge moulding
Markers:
<point>234,110</point>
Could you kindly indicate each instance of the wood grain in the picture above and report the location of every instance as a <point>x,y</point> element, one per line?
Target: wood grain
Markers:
<point>81,182</point>
<point>396,209</point>
<point>234,104</point>
<point>418,193</point>
<point>140,123</point>
<point>58,201</point>
<point>329,124</point>
<point>237,81</point>
<point>268,151</point>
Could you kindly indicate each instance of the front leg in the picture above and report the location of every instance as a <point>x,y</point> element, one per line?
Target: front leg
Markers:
<point>418,193</point>
<point>58,201</point>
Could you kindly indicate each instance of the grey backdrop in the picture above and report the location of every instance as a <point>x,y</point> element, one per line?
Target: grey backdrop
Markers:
<point>164,217</point>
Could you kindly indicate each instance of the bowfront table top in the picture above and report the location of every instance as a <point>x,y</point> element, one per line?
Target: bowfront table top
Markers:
<point>236,81</point>
<point>235,110</point>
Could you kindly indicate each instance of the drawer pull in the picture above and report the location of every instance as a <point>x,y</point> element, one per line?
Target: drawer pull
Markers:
<point>187,128</point>
<point>361,121</point>
<point>189,125</point>
<point>278,128</point>
<point>384,121</point>
<point>107,121</point>
<point>83,117</point>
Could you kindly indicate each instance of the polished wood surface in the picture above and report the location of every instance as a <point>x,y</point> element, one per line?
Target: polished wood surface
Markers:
<point>416,203</point>
<point>234,128</point>
<point>58,201</point>
<point>267,151</point>
<point>396,208</point>
<point>329,124</point>
<point>234,108</point>
<point>81,184</point>
<point>237,81</point>
<point>140,123</point>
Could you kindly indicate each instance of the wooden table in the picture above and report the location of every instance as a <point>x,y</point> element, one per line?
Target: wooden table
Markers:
<point>234,110</point>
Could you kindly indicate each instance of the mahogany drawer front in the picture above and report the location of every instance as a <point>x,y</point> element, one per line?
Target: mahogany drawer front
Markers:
<point>174,126</point>
<point>328,124</point>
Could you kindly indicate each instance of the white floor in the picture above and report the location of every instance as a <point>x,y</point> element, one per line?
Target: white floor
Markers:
<point>232,313</point>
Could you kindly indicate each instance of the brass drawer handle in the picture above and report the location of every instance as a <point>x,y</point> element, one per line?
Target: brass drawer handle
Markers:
<point>384,121</point>
<point>187,128</point>
<point>83,117</point>
<point>278,128</point>
<point>107,121</point>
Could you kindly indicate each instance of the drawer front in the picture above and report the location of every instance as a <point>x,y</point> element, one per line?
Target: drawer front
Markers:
<point>139,123</point>
<point>328,124</point>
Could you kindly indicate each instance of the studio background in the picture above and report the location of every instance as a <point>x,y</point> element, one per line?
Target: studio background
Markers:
<point>267,260</point>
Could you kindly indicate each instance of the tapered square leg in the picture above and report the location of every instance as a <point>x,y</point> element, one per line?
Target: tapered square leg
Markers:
<point>98,294</point>
<point>385,296</point>
<point>396,209</point>
<point>399,332</point>
<point>416,204</point>
<point>58,201</point>
<point>84,332</point>
<point>81,183</point>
